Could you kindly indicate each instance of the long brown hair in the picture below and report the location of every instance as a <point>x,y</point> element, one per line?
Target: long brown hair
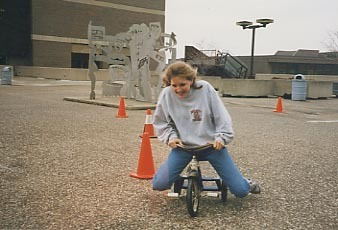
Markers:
<point>180,69</point>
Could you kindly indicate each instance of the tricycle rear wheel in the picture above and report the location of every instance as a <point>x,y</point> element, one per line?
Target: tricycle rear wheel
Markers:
<point>224,191</point>
<point>178,185</point>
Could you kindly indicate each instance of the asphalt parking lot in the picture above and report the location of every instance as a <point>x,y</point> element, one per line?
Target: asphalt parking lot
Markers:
<point>66,165</point>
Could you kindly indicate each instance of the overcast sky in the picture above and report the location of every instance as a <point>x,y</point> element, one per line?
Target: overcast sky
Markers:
<point>211,24</point>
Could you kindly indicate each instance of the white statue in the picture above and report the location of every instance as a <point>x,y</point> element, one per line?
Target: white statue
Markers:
<point>140,60</point>
<point>146,44</point>
<point>95,35</point>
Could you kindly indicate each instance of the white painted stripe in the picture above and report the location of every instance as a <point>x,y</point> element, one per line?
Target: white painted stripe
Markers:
<point>49,38</point>
<point>59,39</point>
<point>118,6</point>
<point>329,121</point>
<point>149,119</point>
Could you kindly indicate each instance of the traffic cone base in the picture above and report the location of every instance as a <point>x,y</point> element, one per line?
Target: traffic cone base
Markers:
<point>135,175</point>
<point>279,106</point>
<point>145,168</point>
<point>121,113</point>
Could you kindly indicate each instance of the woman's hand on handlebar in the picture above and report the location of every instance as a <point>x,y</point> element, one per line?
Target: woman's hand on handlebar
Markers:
<point>174,142</point>
<point>218,145</point>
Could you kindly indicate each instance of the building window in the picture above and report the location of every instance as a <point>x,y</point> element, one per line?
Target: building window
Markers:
<point>3,60</point>
<point>304,68</point>
<point>80,60</point>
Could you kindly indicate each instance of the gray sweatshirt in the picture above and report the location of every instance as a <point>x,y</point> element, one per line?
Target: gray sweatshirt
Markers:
<point>199,118</point>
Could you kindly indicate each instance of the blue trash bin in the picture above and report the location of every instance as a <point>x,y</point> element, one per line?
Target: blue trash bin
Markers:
<point>6,75</point>
<point>335,88</point>
<point>299,88</point>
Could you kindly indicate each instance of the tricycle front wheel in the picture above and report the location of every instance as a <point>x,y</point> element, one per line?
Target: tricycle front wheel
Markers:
<point>193,196</point>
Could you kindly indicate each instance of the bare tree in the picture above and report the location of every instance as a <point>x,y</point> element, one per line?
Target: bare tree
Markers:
<point>332,43</point>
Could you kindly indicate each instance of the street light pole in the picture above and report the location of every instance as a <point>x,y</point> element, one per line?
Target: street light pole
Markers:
<point>252,54</point>
<point>249,25</point>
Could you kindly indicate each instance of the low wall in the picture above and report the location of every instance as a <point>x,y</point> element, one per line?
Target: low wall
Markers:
<point>315,82</point>
<point>319,89</point>
<point>60,73</point>
<point>246,87</point>
<point>264,85</point>
<point>315,89</point>
<point>241,87</point>
<point>290,76</point>
<point>265,88</point>
<point>67,73</point>
<point>282,87</point>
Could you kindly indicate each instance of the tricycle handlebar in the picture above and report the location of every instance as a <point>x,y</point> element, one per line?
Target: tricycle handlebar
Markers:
<point>192,148</point>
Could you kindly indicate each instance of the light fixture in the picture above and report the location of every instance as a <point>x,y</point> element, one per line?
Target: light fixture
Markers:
<point>249,25</point>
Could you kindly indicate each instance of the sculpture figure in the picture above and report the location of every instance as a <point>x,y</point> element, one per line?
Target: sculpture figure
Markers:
<point>146,44</point>
<point>95,34</point>
<point>157,50</point>
<point>140,60</point>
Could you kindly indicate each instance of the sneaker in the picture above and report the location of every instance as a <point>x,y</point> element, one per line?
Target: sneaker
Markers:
<point>254,187</point>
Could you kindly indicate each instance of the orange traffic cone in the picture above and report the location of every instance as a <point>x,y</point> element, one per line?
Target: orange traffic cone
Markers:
<point>279,106</point>
<point>145,168</point>
<point>122,109</point>
<point>148,125</point>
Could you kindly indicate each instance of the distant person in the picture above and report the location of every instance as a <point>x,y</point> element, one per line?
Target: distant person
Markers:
<point>191,113</point>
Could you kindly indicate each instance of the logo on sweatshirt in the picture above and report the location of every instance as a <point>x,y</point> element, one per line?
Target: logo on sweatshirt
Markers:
<point>196,113</point>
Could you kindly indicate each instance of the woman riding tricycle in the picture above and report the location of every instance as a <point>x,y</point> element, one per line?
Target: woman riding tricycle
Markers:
<point>190,112</point>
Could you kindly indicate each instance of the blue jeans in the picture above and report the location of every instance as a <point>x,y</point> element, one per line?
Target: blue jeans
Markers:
<point>221,161</point>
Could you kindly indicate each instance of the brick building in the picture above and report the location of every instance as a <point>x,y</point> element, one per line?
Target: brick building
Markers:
<point>53,33</point>
<point>309,62</point>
